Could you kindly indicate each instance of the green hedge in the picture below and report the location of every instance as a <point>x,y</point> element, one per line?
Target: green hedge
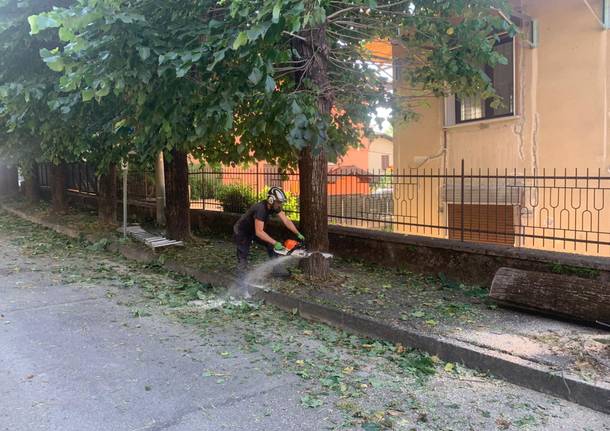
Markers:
<point>205,186</point>
<point>291,207</point>
<point>236,198</point>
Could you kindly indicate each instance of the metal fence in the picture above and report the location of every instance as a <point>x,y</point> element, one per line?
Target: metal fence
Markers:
<point>140,186</point>
<point>44,175</point>
<point>550,209</point>
<point>82,178</point>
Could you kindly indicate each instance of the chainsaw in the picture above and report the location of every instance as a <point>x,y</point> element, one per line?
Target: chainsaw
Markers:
<point>297,249</point>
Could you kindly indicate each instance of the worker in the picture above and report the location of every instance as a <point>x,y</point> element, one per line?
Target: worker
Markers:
<point>251,228</point>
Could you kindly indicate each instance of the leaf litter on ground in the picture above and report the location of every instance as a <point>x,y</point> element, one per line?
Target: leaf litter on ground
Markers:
<point>372,382</point>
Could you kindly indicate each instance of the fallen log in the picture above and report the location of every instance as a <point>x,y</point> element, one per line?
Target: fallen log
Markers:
<point>558,295</point>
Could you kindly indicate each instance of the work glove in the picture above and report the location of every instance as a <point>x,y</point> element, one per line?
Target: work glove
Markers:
<point>278,246</point>
<point>300,237</point>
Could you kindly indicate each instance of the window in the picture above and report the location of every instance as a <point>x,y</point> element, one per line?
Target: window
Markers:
<point>385,162</point>
<point>465,109</point>
<point>600,10</point>
<point>493,224</point>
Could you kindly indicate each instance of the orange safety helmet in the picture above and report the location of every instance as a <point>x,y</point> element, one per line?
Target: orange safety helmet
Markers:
<point>290,244</point>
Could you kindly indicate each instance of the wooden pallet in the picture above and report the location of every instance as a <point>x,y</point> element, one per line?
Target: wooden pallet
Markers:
<point>150,240</point>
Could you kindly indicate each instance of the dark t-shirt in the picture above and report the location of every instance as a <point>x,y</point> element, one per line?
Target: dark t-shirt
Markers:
<point>245,224</point>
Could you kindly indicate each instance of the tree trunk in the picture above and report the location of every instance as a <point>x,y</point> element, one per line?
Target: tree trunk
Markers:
<point>32,186</point>
<point>313,163</point>
<point>9,180</point>
<point>314,211</point>
<point>553,294</point>
<point>59,202</point>
<point>107,197</point>
<point>160,189</point>
<point>177,205</point>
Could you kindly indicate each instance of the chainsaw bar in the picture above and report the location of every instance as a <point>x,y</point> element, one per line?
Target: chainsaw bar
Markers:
<point>304,253</point>
<point>299,250</point>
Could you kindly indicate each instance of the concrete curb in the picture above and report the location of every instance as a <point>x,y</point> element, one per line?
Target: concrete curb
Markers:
<point>506,367</point>
<point>514,370</point>
<point>131,252</point>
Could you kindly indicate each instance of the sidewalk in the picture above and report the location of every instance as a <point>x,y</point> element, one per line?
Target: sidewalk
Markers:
<point>456,322</point>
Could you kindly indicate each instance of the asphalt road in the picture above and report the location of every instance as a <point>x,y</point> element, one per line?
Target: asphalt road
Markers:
<point>82,348</point>
<point>71,359</point>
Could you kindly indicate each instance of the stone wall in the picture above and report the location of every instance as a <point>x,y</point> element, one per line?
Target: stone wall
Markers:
<point>462,261</point>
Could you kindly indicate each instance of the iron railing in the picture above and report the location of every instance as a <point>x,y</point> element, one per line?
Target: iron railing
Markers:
<point>81,178</point>
<point>140,186</point>
<point>547,209</point>
<point>44,175</point>
<point>234,189</point>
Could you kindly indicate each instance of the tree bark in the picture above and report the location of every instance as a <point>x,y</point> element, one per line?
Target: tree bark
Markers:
<point>313,163</point>
<point>107,197</point>
<point>9,180</point>
<point>32,186</point>
<point>177,205</point>
<point>59,202</point>
<point>313,174</point>
<point>160,189</point>
<point>553,294</point>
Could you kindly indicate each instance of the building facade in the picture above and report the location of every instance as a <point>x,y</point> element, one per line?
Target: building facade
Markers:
<point>525,172</point>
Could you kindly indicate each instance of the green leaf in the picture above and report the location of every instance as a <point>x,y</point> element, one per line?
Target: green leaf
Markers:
<point>269,84</point>
<point>87,94</point>
<point>277,9</point>
<point>215,23</point>
<point>256,31</point>
<point>182,71</point>
<point>240,40</point>
<point>255,76</point>
<point>65,35</point>
<point>218,57</point>
<point>296,109</point>
<point>311,401</point>
<point>55,63</point>
<point>33,21</point>
<point>103,91</point>
<point>119,124</point>
<point>41,22</point>
<point>144,52</point>
<point>502,60</point>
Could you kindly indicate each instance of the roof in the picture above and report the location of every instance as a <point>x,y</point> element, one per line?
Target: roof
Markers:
<point>350,170</point>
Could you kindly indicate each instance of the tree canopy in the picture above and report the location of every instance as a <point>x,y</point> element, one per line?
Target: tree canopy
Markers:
<point>230,81</point>
<point>39,121</point>
<point>200,74</point>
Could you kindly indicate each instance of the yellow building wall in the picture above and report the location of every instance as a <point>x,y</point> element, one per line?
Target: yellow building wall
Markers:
<point>379,147</point>
<point>561,121</point>
<point>561,104</point>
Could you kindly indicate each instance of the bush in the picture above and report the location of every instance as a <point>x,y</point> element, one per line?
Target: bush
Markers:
<point>290,207</point>
<point>236,198</point>
<point>204,186</point>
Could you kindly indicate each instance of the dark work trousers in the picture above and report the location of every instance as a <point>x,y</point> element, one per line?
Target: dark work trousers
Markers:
<point>243,243</point>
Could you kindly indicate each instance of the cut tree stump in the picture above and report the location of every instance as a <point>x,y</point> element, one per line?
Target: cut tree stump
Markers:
<point>553,294</point>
